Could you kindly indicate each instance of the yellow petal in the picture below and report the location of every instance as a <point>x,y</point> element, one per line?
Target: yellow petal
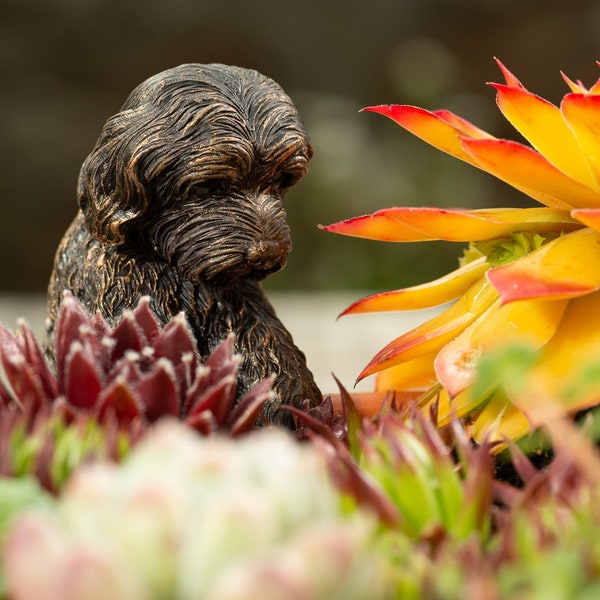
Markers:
<point>566,267</point>
<point>416,374</point>
<point>575,346</point>
<point>582,113</point>
<point>439,291</point>
<point>435,333</point>
<point>456,225</point>
<point>378,226</point>
<point>462,125</point>
<point>543,125</point>
<point>588,216</point>
<point>531,322</point>
<point>528,171</point>
<point>423,223</point>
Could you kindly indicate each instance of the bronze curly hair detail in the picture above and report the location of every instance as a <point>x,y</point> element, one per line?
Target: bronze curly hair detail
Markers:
<point>181,200</point>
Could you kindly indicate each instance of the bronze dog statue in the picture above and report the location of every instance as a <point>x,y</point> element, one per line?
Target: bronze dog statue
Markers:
<point>181,200</point>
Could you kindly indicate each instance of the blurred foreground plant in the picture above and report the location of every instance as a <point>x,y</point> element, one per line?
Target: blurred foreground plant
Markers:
<point>190,517</point>
<point>450,528</point>
<point>529,276</point>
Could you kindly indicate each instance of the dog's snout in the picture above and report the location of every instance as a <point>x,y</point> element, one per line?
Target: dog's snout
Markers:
<point>266,252</point>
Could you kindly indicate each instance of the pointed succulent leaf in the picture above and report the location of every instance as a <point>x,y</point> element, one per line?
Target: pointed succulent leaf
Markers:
<point>127,335</point>
<point>222,362</point>
<point>528,171</point>
<point>158,393</point>
<point>543,125</point>
<point>440,129</point>
<point>245,413</point>
<point>24,382</point>
<point>203,422</point>
<point>588,216</point>
<point>127,368</point>
<point>146,321</point>
<point>26,386</point>
<point>71,318</point>
<point>175,340</point>
<point>313,424</point>
<point>377,226</point>
<point>242,417</point>
<point>581,113</point>
<point>82,384</point>
<point>100,326</point>
<point>34,357</point>
<point>118,400</point>
<point>352,418</point>
<point>357,483</point>
<point>218,399</point>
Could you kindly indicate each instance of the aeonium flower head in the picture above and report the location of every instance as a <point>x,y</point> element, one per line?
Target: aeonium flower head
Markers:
<point>530,276</point>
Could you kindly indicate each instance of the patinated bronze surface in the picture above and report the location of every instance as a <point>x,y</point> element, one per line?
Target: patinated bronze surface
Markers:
<point>181,200</point>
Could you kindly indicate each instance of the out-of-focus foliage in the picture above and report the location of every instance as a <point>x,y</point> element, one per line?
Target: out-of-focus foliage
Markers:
<point>187,517</point>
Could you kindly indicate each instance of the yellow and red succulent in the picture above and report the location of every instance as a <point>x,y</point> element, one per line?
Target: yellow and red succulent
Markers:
<point>529,276</point>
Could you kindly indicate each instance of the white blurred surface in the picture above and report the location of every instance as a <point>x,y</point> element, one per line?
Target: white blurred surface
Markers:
<point>342,347</point>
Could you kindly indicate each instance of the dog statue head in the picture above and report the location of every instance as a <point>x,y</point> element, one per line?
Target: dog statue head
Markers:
<point>194,169</point>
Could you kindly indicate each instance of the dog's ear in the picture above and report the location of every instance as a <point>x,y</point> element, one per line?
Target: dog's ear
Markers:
<point>113,190</point>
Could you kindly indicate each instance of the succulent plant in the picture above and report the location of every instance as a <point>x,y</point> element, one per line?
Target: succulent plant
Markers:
<point>110,384</point>
<point>136,371</point>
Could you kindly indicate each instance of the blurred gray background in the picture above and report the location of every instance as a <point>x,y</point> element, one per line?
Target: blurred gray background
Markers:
<point>67,65</point>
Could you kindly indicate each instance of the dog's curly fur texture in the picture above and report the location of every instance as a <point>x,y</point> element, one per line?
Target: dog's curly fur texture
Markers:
<point>181,200</point>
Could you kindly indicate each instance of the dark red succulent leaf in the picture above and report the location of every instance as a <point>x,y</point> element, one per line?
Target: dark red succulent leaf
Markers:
<point>100,326</point>
<point>221,362</point>
<point>158,393</point>
<point>128,336</point>
<point>117,400</point>
<point>203,422</point>
<point>62,409</point>
<point>175,340</point>
<point>312,421</point>
<point>6,398</point>
<point>244,414</point>
<point>24,384</point>
<point>176,343</point>
<point>127,368</point>
<point>35,358</point>
<point>72,319</point>
<point>82,383</point>
<point>217,399</point>
<point>146,321</point>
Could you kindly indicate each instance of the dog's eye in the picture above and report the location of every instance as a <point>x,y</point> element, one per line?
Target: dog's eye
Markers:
<point>202,189</point>
<point>290,178</point>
